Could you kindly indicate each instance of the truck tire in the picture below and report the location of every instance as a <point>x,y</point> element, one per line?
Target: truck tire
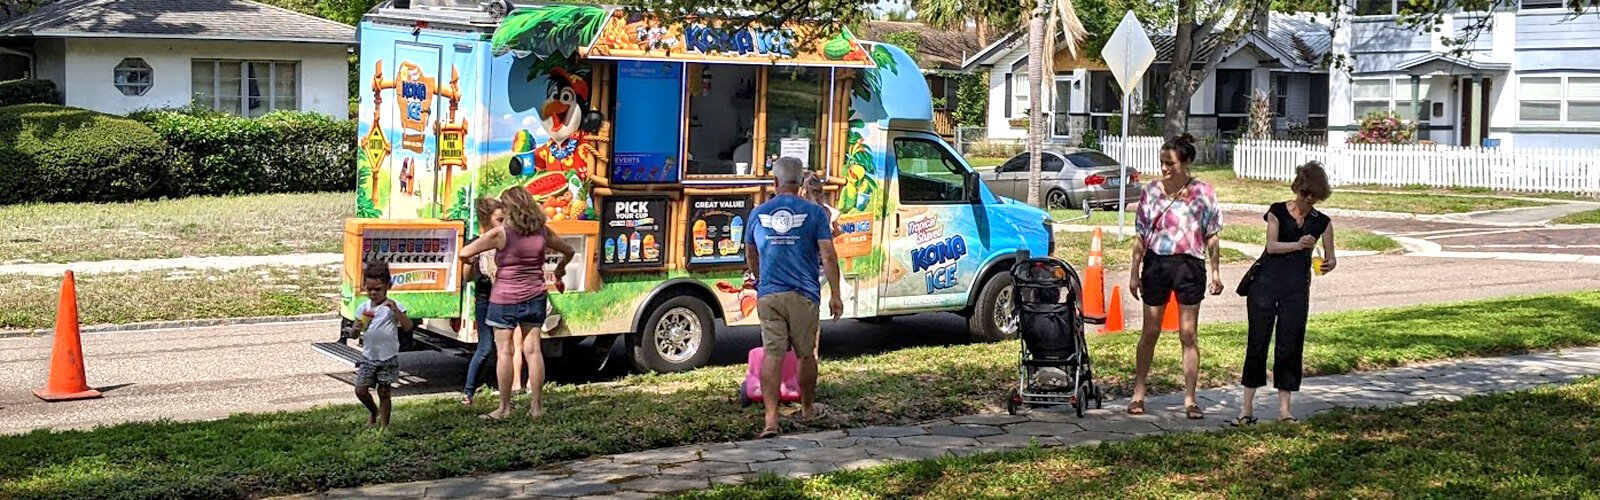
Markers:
<point>679,335</point>
<point>994,301</point>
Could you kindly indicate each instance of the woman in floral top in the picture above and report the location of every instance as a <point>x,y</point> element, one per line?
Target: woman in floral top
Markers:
<point>1179,224</point>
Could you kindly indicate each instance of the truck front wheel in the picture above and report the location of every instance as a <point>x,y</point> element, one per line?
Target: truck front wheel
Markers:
<point>678,336</point>
<point>994,318</point>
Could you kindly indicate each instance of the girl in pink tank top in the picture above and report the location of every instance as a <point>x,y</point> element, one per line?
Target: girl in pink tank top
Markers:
<point>517,304</point>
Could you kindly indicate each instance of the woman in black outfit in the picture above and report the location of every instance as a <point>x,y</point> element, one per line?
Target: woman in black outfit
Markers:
<point>1279,298</point>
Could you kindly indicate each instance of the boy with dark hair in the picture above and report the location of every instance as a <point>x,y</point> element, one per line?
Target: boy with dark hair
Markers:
<point>380,322</point>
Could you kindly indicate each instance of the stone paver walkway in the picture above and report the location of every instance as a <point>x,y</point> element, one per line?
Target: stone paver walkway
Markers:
<point>671,470</point>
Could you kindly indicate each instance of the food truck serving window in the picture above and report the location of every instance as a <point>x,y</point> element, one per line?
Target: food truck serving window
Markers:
<point>796,110</point>
<point>722,117</point>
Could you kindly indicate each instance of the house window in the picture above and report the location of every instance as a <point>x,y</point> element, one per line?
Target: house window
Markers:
<point>1233,91</point>
<point>245,88</point>
<point>1372,96</point>
<point>1019,93</point>
<point>1375,7</point>
<point>133,77</point>
<point>1556,99</point>
<point>1105,95</point>
<point>1543,4</point>
<point>1280,93</point>
<point>1319,94</point>
<point>1155,88</point>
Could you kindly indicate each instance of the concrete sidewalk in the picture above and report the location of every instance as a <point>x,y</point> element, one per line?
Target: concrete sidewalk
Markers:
<point>674,470</point>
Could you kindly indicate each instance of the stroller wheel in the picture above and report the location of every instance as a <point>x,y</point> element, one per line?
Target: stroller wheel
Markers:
<point>744,397</point>
<point>1099,399</point>
<point>1012,401</point>
<point>1080,400</point>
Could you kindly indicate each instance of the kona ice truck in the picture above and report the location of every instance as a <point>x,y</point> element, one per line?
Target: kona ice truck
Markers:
<point>647,141</point>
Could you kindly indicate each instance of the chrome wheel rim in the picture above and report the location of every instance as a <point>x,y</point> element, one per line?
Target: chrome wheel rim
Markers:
<point>1005,315</point>
<point>677,335</point>
<point>1056,199</point>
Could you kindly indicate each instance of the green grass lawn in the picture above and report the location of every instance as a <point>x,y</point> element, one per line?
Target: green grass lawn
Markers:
<point>1344,239</point>
<point>177,294</point>
<point>1231,189</point>
<point>1073,247</point>
<point>289,452</point>
<point>1531,444</point>
<point>198,226</point>
<point>985,163</point>
<point>1589,217</point>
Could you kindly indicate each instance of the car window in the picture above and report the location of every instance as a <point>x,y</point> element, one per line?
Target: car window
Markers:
<point>1091,159</point>
<point>1052,163</point>
<point>1018,163</point>
<point>928,173</point>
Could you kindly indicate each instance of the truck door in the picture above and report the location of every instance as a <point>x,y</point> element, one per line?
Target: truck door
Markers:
<point>938,231</point>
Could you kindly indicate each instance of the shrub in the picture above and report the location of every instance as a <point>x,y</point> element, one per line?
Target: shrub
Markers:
<point>1384,127</point>
<point>52,153</point>
<point>1089,140</point>
<point>16,92</point>
<point>217,154</point>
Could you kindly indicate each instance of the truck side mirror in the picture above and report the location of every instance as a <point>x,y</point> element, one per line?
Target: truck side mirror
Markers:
<point>1088,210</point>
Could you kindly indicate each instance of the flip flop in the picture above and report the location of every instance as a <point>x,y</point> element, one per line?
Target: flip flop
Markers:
<point>1243,421</point>
<point>768,434</point>
<point>489,417</point>
<point>1193,412</point>
<point>1136,408</point>
<point>1290,420</point>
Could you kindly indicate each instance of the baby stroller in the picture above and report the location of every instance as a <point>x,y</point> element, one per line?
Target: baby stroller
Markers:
<point>1055,367</point>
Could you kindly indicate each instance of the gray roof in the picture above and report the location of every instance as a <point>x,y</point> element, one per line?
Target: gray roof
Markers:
<point>240,20</point>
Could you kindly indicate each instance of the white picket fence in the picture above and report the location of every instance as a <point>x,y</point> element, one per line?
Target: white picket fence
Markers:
<point>1139,153</point>
<point>1550,170</point>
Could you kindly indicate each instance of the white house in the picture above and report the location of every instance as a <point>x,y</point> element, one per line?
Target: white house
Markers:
<point>237,56</point>
<point>1531,79</point>
<point>1282,56</point>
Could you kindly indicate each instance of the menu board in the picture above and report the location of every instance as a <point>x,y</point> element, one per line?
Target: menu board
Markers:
<point>646,147</point>
<point>632,232</point>
<point>716,229</point>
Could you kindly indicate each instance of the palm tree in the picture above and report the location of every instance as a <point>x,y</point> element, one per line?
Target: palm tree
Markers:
<point>981,15</point>
<point>1050,22</point>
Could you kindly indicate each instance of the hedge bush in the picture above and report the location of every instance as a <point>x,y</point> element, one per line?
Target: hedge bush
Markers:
<point>52,153</point>
<point>218,154</point>
<point>14,92</point>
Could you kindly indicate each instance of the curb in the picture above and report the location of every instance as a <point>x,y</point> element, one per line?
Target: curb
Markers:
<point>172,325</point>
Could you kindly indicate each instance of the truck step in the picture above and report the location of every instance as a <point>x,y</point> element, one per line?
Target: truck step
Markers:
<point>338,352</point>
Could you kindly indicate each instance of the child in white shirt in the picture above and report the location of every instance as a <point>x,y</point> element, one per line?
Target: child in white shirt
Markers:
<point>381,321</point>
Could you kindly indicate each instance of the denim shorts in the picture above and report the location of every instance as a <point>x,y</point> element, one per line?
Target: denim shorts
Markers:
<point>531,311</point>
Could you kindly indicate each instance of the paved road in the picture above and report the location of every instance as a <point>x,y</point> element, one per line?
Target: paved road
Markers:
<point>207,373</point>
<point>1464,237</point>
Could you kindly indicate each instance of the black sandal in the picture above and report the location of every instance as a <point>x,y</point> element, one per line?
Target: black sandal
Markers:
<point>1193,412</point>
<point>1243,421</point>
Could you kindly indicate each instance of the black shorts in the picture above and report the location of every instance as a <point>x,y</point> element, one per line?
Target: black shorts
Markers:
<point>1164,274</point>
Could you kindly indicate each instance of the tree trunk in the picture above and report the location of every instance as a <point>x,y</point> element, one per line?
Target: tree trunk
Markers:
<point>1036,124</point>
<point>983,32</point>
<point>1179,88</point>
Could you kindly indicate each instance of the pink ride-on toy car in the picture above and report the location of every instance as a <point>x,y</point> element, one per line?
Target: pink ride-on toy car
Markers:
<point>750,389</point>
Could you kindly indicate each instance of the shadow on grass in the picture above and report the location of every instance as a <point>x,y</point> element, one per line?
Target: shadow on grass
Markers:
<point>1532,444</point>
<point>262,454</point>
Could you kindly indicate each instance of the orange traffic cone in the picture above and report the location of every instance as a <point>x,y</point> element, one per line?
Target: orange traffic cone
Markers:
<point>67,381</point>
<point>1169,321</point>
<point>1114,314</point>
<point>1094,287</point>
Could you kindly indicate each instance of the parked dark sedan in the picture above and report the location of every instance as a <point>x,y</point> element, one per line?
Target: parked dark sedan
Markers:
<point>1070,178</point>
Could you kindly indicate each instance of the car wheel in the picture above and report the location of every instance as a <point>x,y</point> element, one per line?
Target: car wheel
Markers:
<point>1057,199</point>
<point>679,336</point>
<point>994,318</point>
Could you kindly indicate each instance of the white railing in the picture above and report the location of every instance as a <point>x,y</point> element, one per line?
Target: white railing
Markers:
<point>1139,153</point>
<point>1502,169</point>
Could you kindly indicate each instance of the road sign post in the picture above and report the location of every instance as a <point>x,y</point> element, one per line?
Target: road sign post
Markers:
<point>1128,53</point>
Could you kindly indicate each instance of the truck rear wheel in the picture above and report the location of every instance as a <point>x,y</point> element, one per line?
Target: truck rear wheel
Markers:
<point>678,336</point>
<point>994,318</point>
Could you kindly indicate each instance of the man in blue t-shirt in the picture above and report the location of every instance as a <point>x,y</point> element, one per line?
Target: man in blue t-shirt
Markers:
<point>789,238</point>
